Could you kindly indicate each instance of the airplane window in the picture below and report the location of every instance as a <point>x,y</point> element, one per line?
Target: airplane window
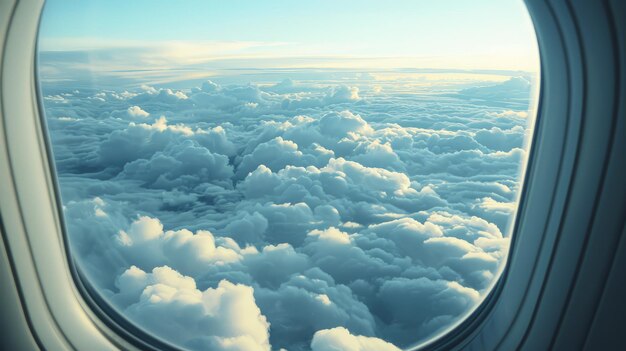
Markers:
<point>313,175</point>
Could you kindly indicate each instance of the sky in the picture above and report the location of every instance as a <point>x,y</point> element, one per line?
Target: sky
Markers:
<point>482,34</point>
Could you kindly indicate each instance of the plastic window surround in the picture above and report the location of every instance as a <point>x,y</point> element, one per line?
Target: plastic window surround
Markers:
<point>33,230</point>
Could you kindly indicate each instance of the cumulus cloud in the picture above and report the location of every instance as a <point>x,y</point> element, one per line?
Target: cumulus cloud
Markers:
<point>341,94</point>
<point>169,305</point>
<point>160,96</point>
<point>147,244</point>
<point>184,164</point>
<point>274,154</point>
<point>297,215</point>
<point>438,299</point>
<point>342,124</point>
<point>501,140</point>
<point>511,113</point>
<point>309,302</point>
<point>340,339</point>
<point>136,111</point>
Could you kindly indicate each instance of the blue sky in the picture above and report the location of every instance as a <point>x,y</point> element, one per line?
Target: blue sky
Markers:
<point>482,34</point>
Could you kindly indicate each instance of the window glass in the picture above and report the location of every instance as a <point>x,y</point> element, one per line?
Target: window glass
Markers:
<point>256,175</point>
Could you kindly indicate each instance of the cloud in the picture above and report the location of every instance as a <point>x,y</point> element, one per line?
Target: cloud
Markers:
<point>493,205</point>
<point>514,88</point>
<point>184,164</point>
<point>160,96</point>
<point>147,245</point>
<point>294,214</point>
<point>275,155</point>
<point>340,339</point>
<point>136,111</point>
<point>248,229</point>
<point>377,179</point>
<point>341,94</point>
<point>169,305</point>
<point>143,141</point>
<point>376,154</point>
<point>408,235</point>
<point>339,254</point>
<point>438,298</point>
<point>321,304</point>
<point>501,140</point>
<point>229,98</point>
<point>511,114</point>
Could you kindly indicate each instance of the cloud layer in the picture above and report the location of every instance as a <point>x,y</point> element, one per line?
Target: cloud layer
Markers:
<point>293,216</point>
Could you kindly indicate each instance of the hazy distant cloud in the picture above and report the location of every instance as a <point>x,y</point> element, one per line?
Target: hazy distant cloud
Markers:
<point>161,96</point>
<point>342,93</point>
<point>511,113</point>
<point>514,88</point>
<point>333,95</point>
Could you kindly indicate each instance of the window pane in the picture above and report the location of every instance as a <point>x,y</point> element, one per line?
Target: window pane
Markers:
<point>256,175</point>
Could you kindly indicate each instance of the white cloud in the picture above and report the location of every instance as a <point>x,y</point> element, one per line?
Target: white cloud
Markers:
<point>300,307</point>
<point>136,111</point>
<point>340,339</point>
<point>184,164</point>
<point>342,93</point>
<point>169,305</point>
<point>490,204</point>
<point>342,123</point>
<point>515,87</point>
<point>274,154</point>
<point>146,244</point>
<point>141,230</point>
<point>331,235</point>
<point>511,113</point>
